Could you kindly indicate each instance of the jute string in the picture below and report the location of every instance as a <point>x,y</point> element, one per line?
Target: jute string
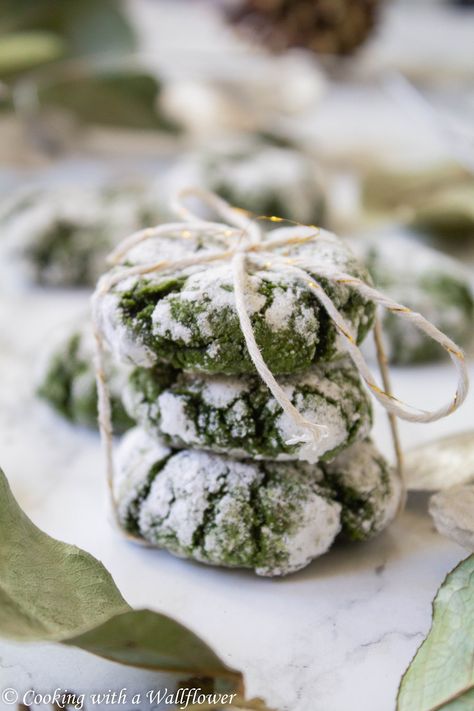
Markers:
<point>244,244</point>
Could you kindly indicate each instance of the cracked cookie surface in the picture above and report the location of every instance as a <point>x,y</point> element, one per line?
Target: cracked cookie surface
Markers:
<point>273,517</point>
<point>67,381</point>
<point>188,317</point>
<point>240,417</point>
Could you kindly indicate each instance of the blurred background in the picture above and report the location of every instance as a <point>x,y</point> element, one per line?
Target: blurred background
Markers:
<point>356,115</point>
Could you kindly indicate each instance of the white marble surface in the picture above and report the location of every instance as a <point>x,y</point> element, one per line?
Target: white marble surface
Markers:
<point>333,637</point>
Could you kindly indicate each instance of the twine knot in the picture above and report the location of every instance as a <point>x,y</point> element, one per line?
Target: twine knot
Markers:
<point>310,437</point>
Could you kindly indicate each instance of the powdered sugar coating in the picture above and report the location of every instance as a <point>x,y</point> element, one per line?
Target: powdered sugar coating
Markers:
<point>265,179</point>
<point>367,487</point>
<point>188,317</point>
<point>61,236</point>
<point>427,281</point>
<point>271,517</point>
<point>240,417</point>
<point>66,379</point>
<point>139,455</point>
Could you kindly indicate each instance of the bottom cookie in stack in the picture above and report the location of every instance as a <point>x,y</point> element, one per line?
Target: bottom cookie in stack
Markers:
<point>272,517</point>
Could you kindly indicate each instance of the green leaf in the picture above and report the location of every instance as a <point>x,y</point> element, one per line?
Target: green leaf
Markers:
<point>120,99</point>
<point>85,26</point>
<point>441,675</point>
<point>466,703</point>
<point>95,27</point>
<point>48,589</point>
<point>52,591</point>
<point>153,641</point>
<point>23,50</point>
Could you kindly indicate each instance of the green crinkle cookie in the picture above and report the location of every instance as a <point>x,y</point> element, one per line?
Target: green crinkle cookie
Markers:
<point>68,382</point>
<point>425,281</point>
<point>240,417</point>
<point>264,179</point>
<point>61,237</point>
<point>361,480</point>
<point>271,517</point>
<point>188,318</point>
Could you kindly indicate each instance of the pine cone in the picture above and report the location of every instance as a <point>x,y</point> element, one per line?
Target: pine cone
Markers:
<point>322,26</point>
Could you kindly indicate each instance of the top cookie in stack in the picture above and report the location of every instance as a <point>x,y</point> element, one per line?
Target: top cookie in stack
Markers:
<point>187,317</point>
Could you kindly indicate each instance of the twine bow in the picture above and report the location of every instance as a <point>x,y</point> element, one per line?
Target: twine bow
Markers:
<point>245,242</point>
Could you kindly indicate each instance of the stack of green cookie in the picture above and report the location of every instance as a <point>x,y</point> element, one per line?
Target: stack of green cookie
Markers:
<point>213,471</point>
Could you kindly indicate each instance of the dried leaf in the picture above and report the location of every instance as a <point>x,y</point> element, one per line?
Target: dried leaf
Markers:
<point>93,27</point>
<point>441,464</point>
<point>142,638</point>
<point>115,98</point>
<point>85,26</point>
<point>453,514</point>
<point>22,50</point>
<point>52,591</point>
<point>48,589</point>
<point>441,675</point>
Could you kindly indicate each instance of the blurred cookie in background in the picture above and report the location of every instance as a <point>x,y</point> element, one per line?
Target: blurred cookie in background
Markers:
<point>266,179</point>
<point>66,379</point>
<point>60,236</point>
<point>425,280</point>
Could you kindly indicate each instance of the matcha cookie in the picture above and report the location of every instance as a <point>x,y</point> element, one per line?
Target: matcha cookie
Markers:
<point>188,318</point>
<point>61,236</point>
<point>271,517</point>
<point>426,281</point>
<point>367,488</point>
<point>67,382</point>
<point>264,179</point>
<point>240,417</point>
